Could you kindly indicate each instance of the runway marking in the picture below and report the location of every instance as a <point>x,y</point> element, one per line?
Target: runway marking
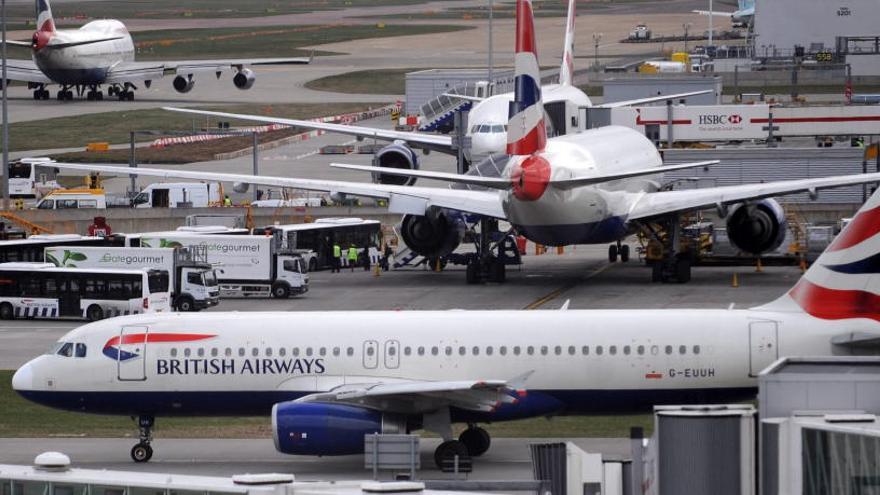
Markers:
<point>537,303</point>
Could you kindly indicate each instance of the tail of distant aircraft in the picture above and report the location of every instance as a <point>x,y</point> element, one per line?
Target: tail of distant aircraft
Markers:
<point>526,133</point>
<point>844,282</point>
<point>566,71</point>
<point>45,22</point>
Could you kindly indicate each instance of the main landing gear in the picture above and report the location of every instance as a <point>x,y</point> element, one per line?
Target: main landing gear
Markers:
<point>671,265</point>
<point>65,94</point>
<point>488,264</point>
<point>142,452</point>
<point>618,250</point>
<point>473,442</point>
<point>123,93</point>
<point>94,94</point>
<point>41,93</point>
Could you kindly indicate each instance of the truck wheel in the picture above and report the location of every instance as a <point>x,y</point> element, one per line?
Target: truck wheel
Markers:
<point>313,264</point>
<point>280,291</point>
<point>6,312</point>
<point>185,304</point>
<point>94,313</point>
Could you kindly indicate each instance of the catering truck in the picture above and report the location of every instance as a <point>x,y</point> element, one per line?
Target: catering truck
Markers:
<point>247,265</point>
<point>193,283</point>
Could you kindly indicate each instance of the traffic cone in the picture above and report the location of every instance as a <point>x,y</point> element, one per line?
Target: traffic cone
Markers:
<point>376,270</point>
<point>803,265</point>
<point>735,282</point>
<point>758,267</point>
<point>437,266</point>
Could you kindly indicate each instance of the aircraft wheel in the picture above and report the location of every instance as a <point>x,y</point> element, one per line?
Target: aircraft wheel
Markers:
<point>38,95</point>
<point>476,440</point>
<point>129,95</point>
<point>6,312</point>
<point>472,274</point>
<point>446,452</point>
<point>99,95</point>
<point>141,452</point>
<point>94,313</point>
<point>498,271</point>
<point>624,253</point>
<point>612,253</point>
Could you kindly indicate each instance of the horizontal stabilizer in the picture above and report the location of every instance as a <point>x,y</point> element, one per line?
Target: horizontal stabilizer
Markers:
<point>598,179</point>
<point>473,180</point>
<point>857,339</point>
<point>56,46</point>
<point>24,44</point>
<point>651,99</point>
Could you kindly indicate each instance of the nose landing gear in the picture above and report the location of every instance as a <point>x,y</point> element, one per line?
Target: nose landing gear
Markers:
<point>142,452</point>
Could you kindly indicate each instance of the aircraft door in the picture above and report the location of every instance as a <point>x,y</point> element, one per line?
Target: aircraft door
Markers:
<point>763,348</point>
<point>131,353</point>
<point>371,354</point>
<point>392,354</point>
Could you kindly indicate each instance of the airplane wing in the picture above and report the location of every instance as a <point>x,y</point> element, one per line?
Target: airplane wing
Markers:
<point>23,44</point>
<point>129,72</point>
<point>401,199</point>
<point>419,397</point>
<point>184,66</point>
<point>434,142</point>
<point>663,202</point>
<point>25,71</point>
<point>714,12</point>
<point>650,99</point>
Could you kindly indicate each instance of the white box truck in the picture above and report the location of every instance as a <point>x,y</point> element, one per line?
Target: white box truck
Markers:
<point>193,282</point>
<point>177,195</point>
<point>247,265</point>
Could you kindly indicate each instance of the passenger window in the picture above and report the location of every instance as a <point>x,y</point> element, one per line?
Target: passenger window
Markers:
<point>696,349</point>
<point>421,351</point>
<point>669,350</point>
<point>391,351</point>
<point>448,350</point>
<point>571,350</point>
<point>214,352</point>
<point>370,351</point>
<point>187,352</point>
<point>295,351</point>
<point>228,352</point>
<point>585,350</point>
<point>654,350</point>
<point>349,351</point>
<point>88,203</point>
<point>640,349</point>
<point>47,204</point>
<point>407,351</point>
<point>255,352</point>
<point>336,351</point>
<point>557,350</point>
<point>309,351</point>
<point>612,350</point>
<point>322,351</point>
<point>241,351</point>
<point>66,204</point>
<point>489,351</point>
<point>598,350</point>
<point>173,352</point>
<point>682,349</point>
<point>434,351</point>
<point>282,351</point>
<point>530,350</point>
<point>201,352</point>
<point>502,350</point>
<point>268,352</point>
<point>475,351</point>
<point>543,350</point>
<point>626,350</point>
<point>516,350</point>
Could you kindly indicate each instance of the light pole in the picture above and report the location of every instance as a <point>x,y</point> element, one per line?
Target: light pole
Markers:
<point>711,16</point>
<point>597,37</point>
<point>4,180</point>
<point>491,61</point>
<point>686,27</point>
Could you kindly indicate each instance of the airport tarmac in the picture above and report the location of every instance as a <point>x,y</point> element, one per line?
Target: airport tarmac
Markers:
<point>507,459</point>
<point>581,275</point>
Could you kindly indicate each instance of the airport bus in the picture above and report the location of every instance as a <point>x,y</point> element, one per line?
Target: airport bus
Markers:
<point>320,235</point>
<point>32,248</point>
<point>42,290</point>
<point>134,240</point>
<point>26,178</point>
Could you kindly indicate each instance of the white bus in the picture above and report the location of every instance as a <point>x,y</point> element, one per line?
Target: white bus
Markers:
<point>320,235</point>
<point>32,248</point>
<point>26,180</point>
<point>42,290</point>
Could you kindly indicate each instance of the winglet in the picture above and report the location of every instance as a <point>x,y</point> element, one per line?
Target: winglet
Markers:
<point>526,133</point>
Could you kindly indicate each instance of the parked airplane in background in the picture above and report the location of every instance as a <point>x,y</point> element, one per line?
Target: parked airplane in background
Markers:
<point>327,383</point>
<point>102,53</point>
<point>591,187</point>
<point>487,120</point>
<point>742,17</point>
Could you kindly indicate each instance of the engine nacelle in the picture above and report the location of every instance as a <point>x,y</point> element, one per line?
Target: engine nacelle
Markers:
<point>183,84</point>
<point>241,187</point>
<point>433,235</point>
<point>310,428</point>
<point>757,227</point>
<point>244,79</point>
<point>396,155</point>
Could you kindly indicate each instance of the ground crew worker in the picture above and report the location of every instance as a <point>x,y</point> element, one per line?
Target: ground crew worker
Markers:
<point>227,201</point>
<point>352,256</point>
<point>337,257</point>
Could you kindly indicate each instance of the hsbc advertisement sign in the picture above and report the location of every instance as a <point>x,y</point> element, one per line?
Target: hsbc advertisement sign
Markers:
<point>697,123</point>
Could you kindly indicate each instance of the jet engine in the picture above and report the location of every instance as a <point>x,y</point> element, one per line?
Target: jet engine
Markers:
<point>757,227</point>
<point>328,429</point>
<point>241,187</point>
<point>244,79</point>
<point>432,235</point>
<point>396,155</point>
<point>183,84</point>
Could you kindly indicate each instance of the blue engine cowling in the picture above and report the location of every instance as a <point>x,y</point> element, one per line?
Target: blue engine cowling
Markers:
<point>311,428</point>
<point>396,155</point>
<point>757,227</point>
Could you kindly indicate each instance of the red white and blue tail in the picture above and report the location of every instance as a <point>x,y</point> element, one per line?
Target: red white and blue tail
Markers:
<point>566,71</point>
<point>526,134</point>
<point>844,282</point>
<point>45,22</point>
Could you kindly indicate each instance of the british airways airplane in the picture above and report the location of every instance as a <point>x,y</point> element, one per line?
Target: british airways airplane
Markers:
<point>591,187</point>
<point>328,378</point>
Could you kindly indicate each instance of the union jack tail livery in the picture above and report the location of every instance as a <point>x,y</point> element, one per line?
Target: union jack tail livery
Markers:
<point>45,23</point>
<point>526,134</point>
<point>844,282</point>
<point>566,72</point>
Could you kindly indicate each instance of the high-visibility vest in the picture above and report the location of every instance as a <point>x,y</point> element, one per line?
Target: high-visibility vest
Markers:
<point>352,254</point>
<point>337,251</point>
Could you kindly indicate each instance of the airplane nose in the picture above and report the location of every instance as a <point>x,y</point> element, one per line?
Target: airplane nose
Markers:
<point>23,379</point>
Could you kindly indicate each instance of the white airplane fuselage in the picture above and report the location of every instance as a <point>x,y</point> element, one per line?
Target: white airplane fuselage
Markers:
<point>85,64</point>
<point>587,214</point>
<point>582,361</point>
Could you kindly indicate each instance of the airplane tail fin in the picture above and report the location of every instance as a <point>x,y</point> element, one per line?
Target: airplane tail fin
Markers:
<point>844,282</point>
<point>45,22</point>
<point>526,133</point>
<point>566,71</point>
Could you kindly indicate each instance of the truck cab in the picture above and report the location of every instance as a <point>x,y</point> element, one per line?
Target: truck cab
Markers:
<point>290,276</point>
<point>198,289</point>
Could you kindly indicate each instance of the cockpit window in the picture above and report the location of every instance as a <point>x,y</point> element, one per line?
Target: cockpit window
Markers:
<point>65,350</point>
<point>80,350</point>
<point>497,128</point>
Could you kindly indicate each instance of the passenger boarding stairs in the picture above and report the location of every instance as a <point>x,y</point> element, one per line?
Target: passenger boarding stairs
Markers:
<point>439,112</point>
